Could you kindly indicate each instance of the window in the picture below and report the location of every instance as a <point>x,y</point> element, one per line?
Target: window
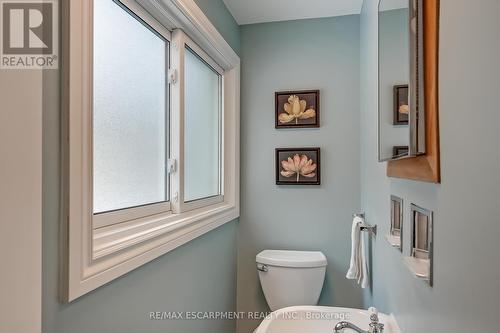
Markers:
<point>152,159</point>
<point>202,132</point>
<point>130,104</point>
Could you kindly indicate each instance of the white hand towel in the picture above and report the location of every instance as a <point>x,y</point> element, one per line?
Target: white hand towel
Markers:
<point>358,269</point>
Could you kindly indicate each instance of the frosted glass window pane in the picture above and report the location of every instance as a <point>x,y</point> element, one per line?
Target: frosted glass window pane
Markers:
<point>129,111</point>
<point>202,129</point>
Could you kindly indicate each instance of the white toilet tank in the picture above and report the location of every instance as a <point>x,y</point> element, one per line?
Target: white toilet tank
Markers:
<point>290,278</point>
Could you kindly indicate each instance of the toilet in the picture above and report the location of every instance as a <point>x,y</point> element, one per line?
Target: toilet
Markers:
<point>290,278</point>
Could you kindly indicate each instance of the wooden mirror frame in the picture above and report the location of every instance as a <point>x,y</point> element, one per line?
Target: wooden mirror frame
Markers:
<point>426,167</point>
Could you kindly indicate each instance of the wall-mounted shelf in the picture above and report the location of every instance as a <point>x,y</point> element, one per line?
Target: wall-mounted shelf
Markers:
<point>394,241</point>
<point>419,267</point>
<point>420,263</point>
<point>395,236</point>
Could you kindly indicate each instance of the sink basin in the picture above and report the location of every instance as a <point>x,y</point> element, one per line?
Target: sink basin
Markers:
<point>320,319</point>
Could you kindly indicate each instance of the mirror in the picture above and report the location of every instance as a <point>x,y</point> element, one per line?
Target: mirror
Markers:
<point>401,130</point>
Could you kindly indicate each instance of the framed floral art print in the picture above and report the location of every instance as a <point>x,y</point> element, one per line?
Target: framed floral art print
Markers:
<point>401,105</point>
<point>298,166</point>
<point>297,109</point>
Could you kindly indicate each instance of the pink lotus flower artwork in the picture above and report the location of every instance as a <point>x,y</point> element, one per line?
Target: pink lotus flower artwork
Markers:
<point>297,166</point>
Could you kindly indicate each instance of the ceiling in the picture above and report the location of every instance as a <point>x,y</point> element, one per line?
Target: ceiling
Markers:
<point>258,11</point>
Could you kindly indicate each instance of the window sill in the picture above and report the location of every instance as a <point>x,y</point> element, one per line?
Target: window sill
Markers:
<point>121,249</point>
<point>112,239</point>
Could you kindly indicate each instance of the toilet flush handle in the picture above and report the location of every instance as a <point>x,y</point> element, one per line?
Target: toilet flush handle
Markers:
<point>262,267</point>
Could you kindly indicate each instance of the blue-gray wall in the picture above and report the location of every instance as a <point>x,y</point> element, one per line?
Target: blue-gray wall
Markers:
<point>466,266</point>
<point>324,54</point>
<point>306,54</point>
<point>199,276</point>
<point>222,19</point>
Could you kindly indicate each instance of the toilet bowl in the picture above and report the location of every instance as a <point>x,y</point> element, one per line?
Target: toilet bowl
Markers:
<point>290,278</point>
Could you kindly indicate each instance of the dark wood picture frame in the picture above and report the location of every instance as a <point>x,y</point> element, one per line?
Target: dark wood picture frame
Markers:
<point>302,180</point>
<point>400,91</point>
<point>312,102</point>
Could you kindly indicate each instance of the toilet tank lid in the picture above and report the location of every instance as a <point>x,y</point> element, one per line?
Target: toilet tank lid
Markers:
<point>291,258</point>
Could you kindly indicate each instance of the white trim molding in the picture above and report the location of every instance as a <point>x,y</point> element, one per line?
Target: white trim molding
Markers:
<point>96,251</point>
<point>23,100</point>
<point>186,15</point>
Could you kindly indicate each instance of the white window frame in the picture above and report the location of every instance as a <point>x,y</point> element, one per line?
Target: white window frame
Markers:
<point>103,219</point>
<point>99,248</point>
<point>180,41</point>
